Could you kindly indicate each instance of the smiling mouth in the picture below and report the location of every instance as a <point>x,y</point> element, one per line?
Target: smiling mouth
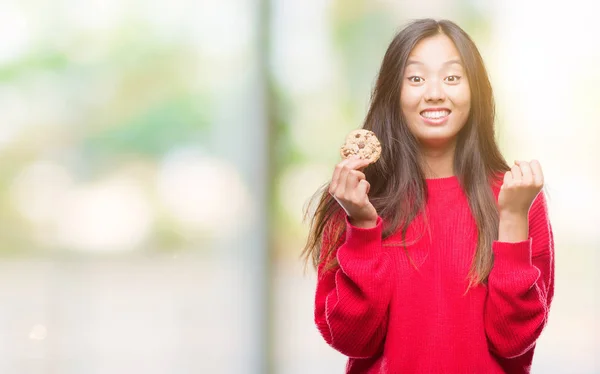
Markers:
<point>435,114</point>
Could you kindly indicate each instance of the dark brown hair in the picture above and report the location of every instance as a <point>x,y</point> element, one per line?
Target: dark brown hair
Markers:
<point>398,186</point>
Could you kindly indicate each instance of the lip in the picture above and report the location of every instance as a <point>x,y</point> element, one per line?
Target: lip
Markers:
<point>438,121</point>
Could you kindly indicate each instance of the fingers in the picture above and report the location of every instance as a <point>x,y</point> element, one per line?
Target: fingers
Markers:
<point>341,170</point>
<point>527,177</point>
<point>522,183</point>
<point>516,173</point>
<point>348,182</point>
<point>538,175</point>
<point>349,177</point>
<point>532,172</point>
<point>363,187</point>
<point>358,163</point>
<point>507,179</point>
<point>336,175</point>
<point>342,182</point>
<point>354,177</point>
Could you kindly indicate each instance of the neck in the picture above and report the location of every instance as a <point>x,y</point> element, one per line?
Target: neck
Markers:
<point>438,162</point>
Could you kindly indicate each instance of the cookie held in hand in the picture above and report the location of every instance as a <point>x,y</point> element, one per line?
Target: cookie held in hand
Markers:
<point>362,143</point>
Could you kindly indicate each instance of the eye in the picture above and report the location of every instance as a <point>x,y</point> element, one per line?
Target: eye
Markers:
<point>452,79</point>
<point>415,79</point>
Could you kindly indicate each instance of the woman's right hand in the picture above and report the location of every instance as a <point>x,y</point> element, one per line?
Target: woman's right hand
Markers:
<point>349,188</point>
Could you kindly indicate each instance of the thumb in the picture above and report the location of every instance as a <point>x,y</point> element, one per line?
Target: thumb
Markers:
<point>507,178</point>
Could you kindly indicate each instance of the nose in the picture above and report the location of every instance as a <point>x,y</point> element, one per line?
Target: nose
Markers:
<point>435,91</point>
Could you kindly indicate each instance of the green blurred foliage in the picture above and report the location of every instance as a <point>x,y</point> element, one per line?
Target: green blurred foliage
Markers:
<point>127,96</point>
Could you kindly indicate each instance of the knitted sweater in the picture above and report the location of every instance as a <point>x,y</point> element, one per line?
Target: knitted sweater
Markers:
<point>389,316</point>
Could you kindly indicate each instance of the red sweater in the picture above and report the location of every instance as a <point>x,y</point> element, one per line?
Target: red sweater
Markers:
<point>389,317</point>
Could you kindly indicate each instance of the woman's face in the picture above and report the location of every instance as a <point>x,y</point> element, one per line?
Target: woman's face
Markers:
<point>435,96</point>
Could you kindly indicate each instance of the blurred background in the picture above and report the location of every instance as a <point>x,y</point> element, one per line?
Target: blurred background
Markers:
<point>156,156</point>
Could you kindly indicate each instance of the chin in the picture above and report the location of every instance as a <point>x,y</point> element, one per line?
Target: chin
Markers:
<point>437,141</point>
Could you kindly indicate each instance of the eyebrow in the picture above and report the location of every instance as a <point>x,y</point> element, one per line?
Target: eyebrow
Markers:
<point>449,62</point>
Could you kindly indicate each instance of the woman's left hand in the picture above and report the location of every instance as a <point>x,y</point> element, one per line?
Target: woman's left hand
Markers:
<point>521,185</point>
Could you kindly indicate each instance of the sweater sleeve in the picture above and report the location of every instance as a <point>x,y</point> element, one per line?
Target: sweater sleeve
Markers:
<point>521,287</point>
<point>351,303</point>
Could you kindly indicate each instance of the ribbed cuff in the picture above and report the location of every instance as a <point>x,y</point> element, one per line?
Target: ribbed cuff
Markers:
<point>365,241</point>
<point>512,256</point>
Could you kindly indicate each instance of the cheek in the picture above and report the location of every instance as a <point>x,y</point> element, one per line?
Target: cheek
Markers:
<point>462,103</point>
<point>409,100</point>
<point>462,99</point>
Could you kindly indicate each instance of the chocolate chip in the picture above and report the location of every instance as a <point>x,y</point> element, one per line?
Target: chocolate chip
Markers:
<point>361,145</point>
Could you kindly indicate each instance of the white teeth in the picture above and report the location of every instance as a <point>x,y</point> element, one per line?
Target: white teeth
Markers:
<point>435,115</point>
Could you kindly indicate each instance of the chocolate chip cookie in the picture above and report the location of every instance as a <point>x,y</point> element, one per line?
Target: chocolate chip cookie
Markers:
<point>362,143</point>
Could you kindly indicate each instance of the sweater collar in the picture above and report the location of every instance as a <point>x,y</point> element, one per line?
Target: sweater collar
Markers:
<point>440,184</point>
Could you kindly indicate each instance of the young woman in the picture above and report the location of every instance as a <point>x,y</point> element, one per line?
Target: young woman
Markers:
<point>439,257</point>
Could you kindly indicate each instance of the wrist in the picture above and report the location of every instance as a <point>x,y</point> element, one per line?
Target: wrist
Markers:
<point>513,227</point>
<point>513,215</point>
<point>363,224</point>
